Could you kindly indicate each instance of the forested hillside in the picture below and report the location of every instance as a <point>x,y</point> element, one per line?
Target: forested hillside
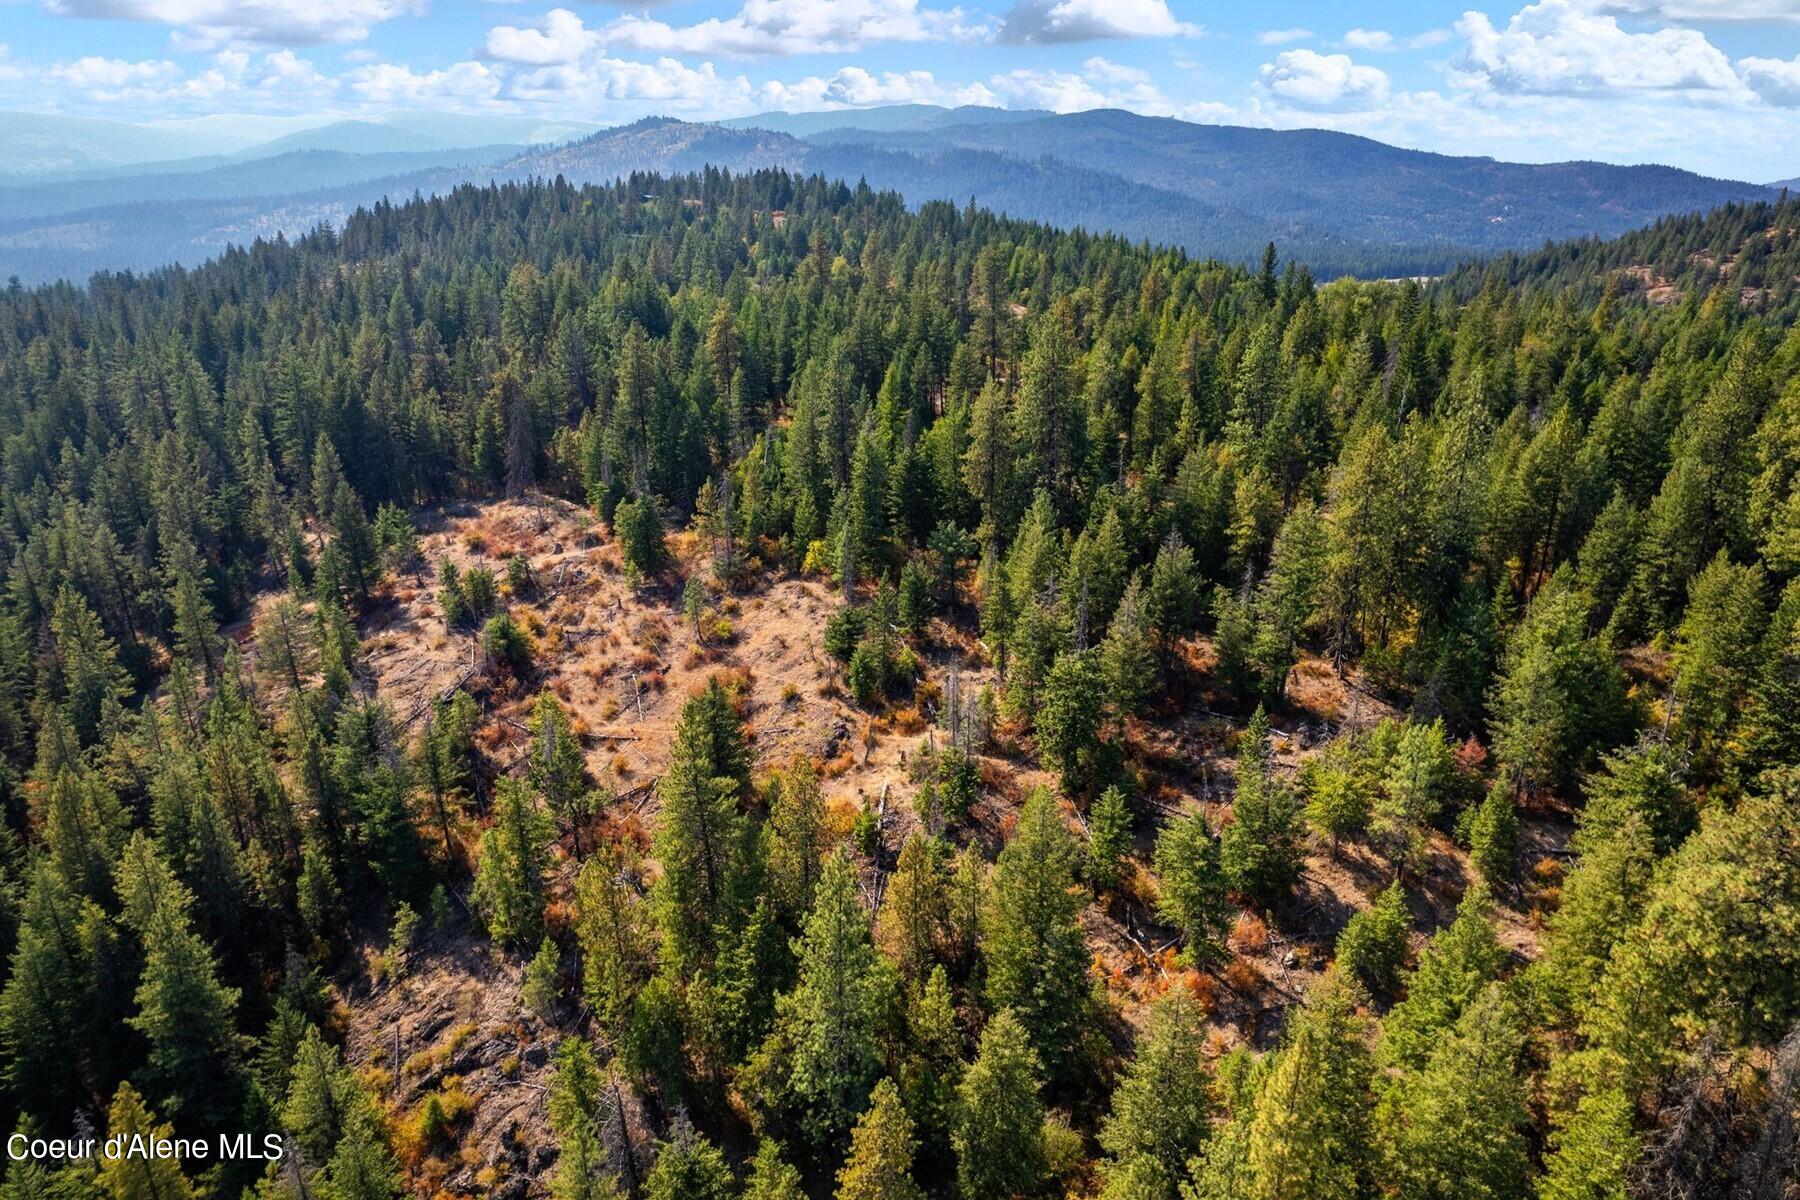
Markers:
<point>1753,248</point>
<point>722,686</point>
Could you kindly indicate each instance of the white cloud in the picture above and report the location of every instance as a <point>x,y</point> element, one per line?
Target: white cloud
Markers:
<point>1369,39</point>
<point>1041,22</point>
<point>1776,80</point>
<point>764,28</point>
<point>1310,80</point>
<point>854,87</point>
<point>1283,37</point>
<point>98,75</point>
<point>1554,48</point>
<point>211,23</point>
<point>561,38</point>
<point>1428,39</point>
<point>1703,10</point>
<point>462,85</point>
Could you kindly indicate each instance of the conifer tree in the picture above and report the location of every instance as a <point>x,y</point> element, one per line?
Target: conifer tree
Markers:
<point>797,837</point>
<point>1372,947</point>
<point>1460,962</point>
<point>557,768</point>
<point>1109,838</point>
<point>362,1167</point>
<point>999,1134</point>
<point>1032,943</point>
<point>1494,837</point>
<point>135,1173</point>
<point>1455,1127</point>
<point>771,1176</point>
<point>1128,654</point>
<point>697,834</point>
<point>914,909</point>
<point>1192,886</point>
<point>1310,1132</point>
<point>184,1012</point>
<point>879,1166</point>
<point>832,1017</point>
<point>688,1167</point>
<point>509,877</point>
<point>1259,850</point>
<point>1559,697</point>
<point>1069,716</point>
<point>1592,1149</point>
<point>612,928</point>
<point>1161,1109</point>
<point>575,1103</point>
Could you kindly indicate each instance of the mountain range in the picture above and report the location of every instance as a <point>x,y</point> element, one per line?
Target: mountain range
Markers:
<point>1339,203</point>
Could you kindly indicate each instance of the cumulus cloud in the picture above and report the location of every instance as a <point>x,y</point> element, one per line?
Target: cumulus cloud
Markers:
<point>559,38</point>
<point>1776,80</point>
<point>854,87</point>
<point>462,85</point>
<point>766,28</point>
<point>1283,37</point>
<point>1310,80</point>
<point>211,23</point>
<point>1046,22</point>
<point>1557,48</point>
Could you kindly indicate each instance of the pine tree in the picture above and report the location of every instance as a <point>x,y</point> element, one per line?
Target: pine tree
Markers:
<point>1032,942</point>
<point>832,1017</point>
<point>575,1103</point>
<point>1372,947</point>
<point>87,664</point>
<point>1412,793</point>
<point>697,835</point>
<point>138,1175</point>
<point>879,1166</point>
<point>612,927</point>
<point>1259,850</point>
<point>1192,887</point>
<point>1109,838</point>
<point>1494,837</point>
<point>362,1167</point>
<point>1460,961</point>
<point>771,1176</point>
<point>509,876</point>
<point>184,1012</point>
<point>1559,697</point>
<point>688,1167</point>
<point>1161,1109</point>
<point>1128,654</point>
<point>1592,1149</point>
<point>914,909</point>
<point>999,1135</point>
<point>1069,717</point>
<point>1310,1133</point>
<point>1456,1127</point>
<point>322,1095</point>
<point>797,836</point>
<point>557,768</point>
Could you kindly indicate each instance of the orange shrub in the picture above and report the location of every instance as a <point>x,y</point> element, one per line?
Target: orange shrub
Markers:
<point>1242,975</point>
<point>1249,934</point>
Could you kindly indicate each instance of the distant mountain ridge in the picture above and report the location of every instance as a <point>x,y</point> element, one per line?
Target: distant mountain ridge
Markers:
<point>1339,203</point>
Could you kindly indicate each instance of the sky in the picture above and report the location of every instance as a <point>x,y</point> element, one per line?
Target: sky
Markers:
<point>1711,85</point>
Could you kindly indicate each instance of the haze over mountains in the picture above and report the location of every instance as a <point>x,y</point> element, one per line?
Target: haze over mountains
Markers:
<point>95,195</point>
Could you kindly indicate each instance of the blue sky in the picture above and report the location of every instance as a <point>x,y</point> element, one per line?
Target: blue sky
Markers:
<point>1713,85</point>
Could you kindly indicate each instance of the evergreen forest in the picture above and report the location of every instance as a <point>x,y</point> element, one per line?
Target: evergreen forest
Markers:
<point>1137,727</point>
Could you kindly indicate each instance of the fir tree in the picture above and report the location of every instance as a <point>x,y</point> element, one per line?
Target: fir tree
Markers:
<point>1192,887</point>
<point>999,1134</point>
<point>879,1166</point>
<point>1031,941</point>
